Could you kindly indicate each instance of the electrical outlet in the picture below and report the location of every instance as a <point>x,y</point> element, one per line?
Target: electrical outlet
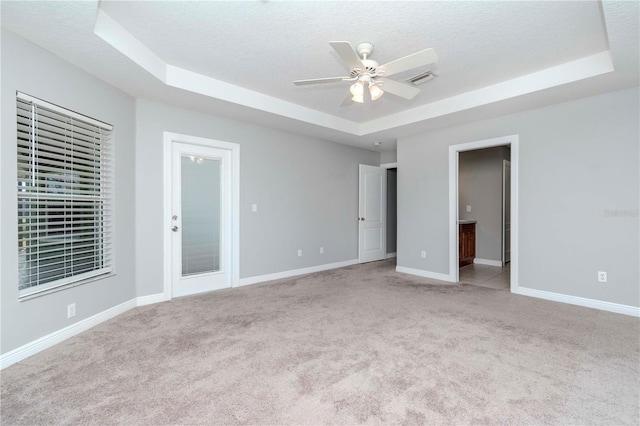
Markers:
<point>423,254</point>
<point>299,253</point>
<point>468,209</point>
<point>254,208</point>
<point>321,250</point>
<point>602,276</point>
<point>71,310</point>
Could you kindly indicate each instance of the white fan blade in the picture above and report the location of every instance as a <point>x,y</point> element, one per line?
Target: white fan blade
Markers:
<point>320,80</point>
<point>347,100</point>
<point>399,89</point>
<point>415,60</point>
<point>346,53</point>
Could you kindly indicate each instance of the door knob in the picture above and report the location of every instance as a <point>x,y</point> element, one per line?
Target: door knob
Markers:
<point>174,228</point>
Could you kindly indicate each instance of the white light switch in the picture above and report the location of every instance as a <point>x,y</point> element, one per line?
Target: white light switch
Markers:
<point>254,208</point>
<point>468,209</point>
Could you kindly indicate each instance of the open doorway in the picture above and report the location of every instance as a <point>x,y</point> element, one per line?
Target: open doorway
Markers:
<point>483,213</point>
<point>392,218</point>
<point>391,211</point>
<point>506,210</point>
<point>481,217</point>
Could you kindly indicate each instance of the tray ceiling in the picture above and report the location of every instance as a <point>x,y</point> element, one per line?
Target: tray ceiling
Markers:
<point>239,58</point>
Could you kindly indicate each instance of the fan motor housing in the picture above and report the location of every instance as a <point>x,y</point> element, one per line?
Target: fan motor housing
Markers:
<point>370,64</point>
<point>364,49</point>
<point>370,67</point>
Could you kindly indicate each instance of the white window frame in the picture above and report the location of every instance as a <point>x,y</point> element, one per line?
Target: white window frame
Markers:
<point>85,192</point>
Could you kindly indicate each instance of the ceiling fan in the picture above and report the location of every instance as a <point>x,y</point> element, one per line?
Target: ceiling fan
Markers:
<point>365,73</point>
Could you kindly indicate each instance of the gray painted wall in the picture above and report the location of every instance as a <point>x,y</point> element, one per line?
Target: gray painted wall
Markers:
<point>388,157</point>
<point>32,70</point>
<point>306,190</point>
<point>480,186</point>
<point>578,160</point>
<point>392,220</point>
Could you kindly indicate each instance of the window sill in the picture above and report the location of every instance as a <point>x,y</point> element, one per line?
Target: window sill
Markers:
<point>37,293</point>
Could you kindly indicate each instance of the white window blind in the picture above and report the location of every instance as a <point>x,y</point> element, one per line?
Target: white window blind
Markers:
<point>64,196</point>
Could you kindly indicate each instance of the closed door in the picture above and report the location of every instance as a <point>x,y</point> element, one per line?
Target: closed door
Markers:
<point>372,209</point>
<point>200,221</point>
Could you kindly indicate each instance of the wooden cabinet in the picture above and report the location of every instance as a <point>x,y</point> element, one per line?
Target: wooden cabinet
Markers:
<point>466,243</point>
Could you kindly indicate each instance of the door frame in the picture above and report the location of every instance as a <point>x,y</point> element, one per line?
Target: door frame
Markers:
<point>454,153</point>
<point>233,210</point>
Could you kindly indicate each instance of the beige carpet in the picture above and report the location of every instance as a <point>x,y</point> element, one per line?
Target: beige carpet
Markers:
<point>357,345</point>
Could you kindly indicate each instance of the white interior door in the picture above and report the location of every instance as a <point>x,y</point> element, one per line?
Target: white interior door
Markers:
<point>200,221</point>
<point>372,210</point>
<point>506,212</point>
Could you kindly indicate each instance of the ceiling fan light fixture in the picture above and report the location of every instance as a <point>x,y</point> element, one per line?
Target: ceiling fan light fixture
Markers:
<point>357,88</point>
<point>367,74</point>
<point>375,92</point>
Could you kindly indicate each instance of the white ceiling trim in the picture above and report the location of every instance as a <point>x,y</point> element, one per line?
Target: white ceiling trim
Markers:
<point>113,33</point>
<point>198,83</point>
<point>127,44</point>
<point>587,67</point>
<point>110,31</point>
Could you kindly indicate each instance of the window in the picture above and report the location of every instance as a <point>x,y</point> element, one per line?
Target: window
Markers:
<point>64,196</point>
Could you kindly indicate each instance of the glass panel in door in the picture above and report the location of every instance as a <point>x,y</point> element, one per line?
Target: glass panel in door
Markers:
<point>201,219</point>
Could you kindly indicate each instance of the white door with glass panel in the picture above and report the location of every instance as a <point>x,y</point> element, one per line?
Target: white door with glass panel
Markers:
<point>200,221</point>
<point>372,229</point>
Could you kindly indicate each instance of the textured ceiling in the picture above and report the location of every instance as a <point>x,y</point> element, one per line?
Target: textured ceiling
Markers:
<point>262,46</point>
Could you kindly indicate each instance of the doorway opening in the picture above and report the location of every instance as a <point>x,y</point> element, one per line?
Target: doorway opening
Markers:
<point>392,209</point>
<point>483,213</point>
<point>480,217</point>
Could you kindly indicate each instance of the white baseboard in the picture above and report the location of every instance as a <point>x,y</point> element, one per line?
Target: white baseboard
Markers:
<point>580,301</point>
<point>487,262</point>
<point>294,272</point>
<point>425,274</point>
<point>151,299</point>
<point>56,337</point>
<point>390,255</point>
<point>59,336</point>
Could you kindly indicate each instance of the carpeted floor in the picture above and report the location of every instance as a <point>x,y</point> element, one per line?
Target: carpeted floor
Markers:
<point>361,344</point>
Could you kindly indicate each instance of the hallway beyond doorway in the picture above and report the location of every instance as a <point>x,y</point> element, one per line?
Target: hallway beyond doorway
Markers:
<point>486,276</point>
